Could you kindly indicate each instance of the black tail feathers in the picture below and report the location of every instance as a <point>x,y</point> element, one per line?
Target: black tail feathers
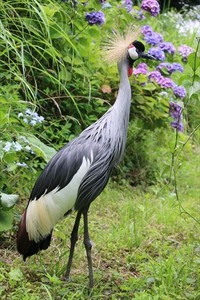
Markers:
<point>27,247</point>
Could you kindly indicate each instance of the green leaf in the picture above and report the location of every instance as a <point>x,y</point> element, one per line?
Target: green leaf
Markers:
<point>40,148</point>
<point>190,59</point>
<point>64,74</point>
<point>8,200</point>
<point>15,274</point>
<point>6,219</point>
<point>194,89</point>
<point>94,32</point>
<point>10,157</point>
<point>11,167</point>
<point>149,87</point>
<point>50,10</point>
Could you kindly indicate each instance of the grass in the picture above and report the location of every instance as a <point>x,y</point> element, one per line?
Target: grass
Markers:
<point>144,248</point>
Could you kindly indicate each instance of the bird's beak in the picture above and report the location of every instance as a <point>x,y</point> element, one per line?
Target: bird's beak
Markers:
<point>146,55</point>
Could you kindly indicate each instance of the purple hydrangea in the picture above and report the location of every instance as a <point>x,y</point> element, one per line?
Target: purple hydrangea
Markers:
<point>95,18</point>
<point>164,65</point>
<point>178,124</point>
<point>157,53</point>
<point>175,111</point>
<point>171,68</point>
<point>166,82</point>
<point>179,91</point>
<point>140,14</point>
<point>177,67</point>
<point>141,69</point>
<point>151,6</point>
<point>128,4</point>
<point>167,47</point>
<point>154,38</point>
<point>156,76</point>
<point>184,51</point>
<point>151,37</point>
<point>147,30</point>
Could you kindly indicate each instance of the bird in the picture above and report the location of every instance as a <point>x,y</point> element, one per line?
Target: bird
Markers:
<point>78,172</point>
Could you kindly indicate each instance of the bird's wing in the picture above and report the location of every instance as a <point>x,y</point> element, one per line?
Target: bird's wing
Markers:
<point>66,163</point>
<point>95,179</point>
<point>62,167</point>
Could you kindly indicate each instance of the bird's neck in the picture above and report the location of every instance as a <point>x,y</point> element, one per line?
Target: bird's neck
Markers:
<point>123,101</point>
<point>120,111</point>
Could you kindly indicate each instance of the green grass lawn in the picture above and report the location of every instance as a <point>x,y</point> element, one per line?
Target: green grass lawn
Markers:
<point>143,248</point>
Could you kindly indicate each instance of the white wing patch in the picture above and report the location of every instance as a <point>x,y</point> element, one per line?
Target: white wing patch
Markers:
<point>43,213</point>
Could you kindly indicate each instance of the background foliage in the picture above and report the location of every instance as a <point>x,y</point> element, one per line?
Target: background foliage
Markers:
<point>52,65</point>
<point>54,83</point>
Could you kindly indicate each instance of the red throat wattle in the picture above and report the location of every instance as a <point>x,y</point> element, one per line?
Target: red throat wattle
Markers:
<point>130,71</point>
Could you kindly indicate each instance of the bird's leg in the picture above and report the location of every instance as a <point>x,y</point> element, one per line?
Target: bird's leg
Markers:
<point>74,238</point>
<point>88,248</point>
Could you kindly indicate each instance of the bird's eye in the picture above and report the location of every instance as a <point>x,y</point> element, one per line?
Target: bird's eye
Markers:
<point>132,52</point>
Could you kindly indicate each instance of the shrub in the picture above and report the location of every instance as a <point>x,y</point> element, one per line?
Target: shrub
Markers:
<point>51,63</point>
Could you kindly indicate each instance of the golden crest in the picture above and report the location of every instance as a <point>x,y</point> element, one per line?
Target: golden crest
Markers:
<point>117,45</point>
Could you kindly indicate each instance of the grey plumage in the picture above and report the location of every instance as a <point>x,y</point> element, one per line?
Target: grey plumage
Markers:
<point>78,173</point>
<point>106,138</point>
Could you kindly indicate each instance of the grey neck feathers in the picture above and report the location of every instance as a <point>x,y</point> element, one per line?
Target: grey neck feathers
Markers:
<point>111,128</point>
<point>124,93</point>
<point>120,111</point>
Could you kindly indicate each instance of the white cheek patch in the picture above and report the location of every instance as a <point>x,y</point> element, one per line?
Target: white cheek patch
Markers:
<point>133,53</point>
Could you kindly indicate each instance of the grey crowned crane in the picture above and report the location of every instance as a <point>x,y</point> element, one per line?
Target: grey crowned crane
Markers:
<point>79,172</point>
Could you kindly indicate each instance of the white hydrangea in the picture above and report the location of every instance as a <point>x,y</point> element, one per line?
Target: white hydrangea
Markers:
<point>30,117</point>
<point>21,164</point>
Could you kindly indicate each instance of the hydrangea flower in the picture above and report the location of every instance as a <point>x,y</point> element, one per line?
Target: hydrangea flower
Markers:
<point>166,82</point>
<point>31,117</point>
<point>179,91</point>
<point>177,67</point>
<point>151,6</point>
<point>164,94</point>
<point>156,76</point>
<point>138,14</point>
<point>175,111</point>
<point>171,68</point>
<point>95,18</point>
<point>28,148</point>
<point>7,147</point>
<point>178,125</point>
<point>154,38</point>
<point>23,138</point>
<point>106,5</point>
<point>157,53</point>
<point>23,164</point>
<point>128,4</point>
<point>167,47</point>
<point>141,69</point>
<point>184,51</point>
<point>151,37</point>
<point>147,30</point>
<point>12,146</point>
<point>17,146</point>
